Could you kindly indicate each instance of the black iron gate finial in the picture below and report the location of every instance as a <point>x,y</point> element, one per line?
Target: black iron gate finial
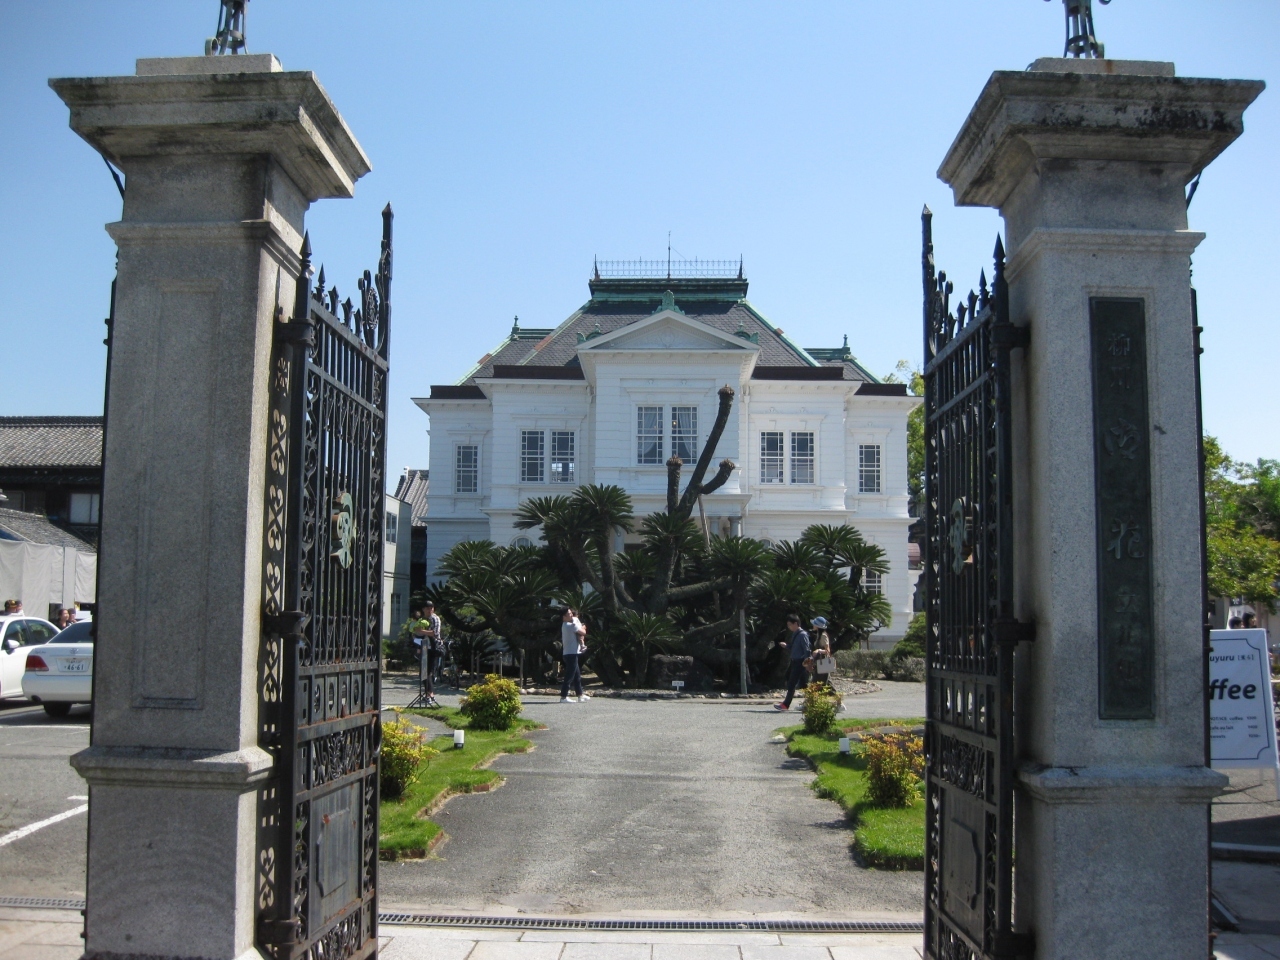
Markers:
<point>1081,40</point>
<point>230,36</point>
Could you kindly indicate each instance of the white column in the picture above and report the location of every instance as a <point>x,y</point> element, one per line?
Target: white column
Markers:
<point>1087,162</point>
<point>222,157</point>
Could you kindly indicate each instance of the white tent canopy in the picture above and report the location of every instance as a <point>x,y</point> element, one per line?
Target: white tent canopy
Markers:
<point>40,574</point>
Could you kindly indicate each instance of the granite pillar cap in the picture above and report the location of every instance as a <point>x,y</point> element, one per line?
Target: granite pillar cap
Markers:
<point>284,114</point>
<point>1022,117</point>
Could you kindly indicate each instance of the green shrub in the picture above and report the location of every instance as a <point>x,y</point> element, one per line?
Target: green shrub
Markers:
<point>403,754</point>
<point>821,704</point>
<point>862,664</point>
<point>492,705</point>
<point>895,765</point>
<point>912,642</point>
<point>908,669</point>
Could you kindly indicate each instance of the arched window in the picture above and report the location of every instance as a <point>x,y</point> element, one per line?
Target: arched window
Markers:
<point>522,542</point>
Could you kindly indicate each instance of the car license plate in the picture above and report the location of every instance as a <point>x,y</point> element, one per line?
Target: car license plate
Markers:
<point>76,666</point>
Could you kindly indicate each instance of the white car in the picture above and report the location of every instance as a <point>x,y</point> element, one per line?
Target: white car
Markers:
<point>60,672</point>
<point>17,634</point>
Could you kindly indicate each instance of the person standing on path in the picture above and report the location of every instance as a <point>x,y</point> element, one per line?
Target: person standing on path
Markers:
<point>573,640</point>
<point>823,662</point>
<point>431,632</point>
<point>800,652</point>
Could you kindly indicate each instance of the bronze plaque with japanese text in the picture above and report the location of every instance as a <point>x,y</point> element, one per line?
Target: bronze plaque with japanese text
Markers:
<point>1122,477</point>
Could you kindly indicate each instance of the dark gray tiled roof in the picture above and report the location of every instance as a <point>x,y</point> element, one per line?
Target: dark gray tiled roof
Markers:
<point>34,528</point>
<point>50,441</point>
<point>617,304</point>
<point>412,488</point>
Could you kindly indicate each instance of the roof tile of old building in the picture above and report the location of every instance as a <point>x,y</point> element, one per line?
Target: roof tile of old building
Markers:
<point>34,528</point>
<point>50,441</point>
<point>619,302</point>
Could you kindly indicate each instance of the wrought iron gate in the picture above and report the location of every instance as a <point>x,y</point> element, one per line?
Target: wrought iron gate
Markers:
<point>319,662</point>
<point>971,630</point>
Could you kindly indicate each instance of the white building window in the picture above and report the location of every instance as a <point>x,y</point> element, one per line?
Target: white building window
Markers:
<point>562,456</point>
<point>873,582</point>
<point>466,469</point>
<point>684,433</point>
<point>531,449</point>
<point>802,457</point>
<point>522,542</point>
<point>648,435</point>
<point>84,507</point>
<point>391,527</point>
<point>771,456</point>
<point>868,468</point>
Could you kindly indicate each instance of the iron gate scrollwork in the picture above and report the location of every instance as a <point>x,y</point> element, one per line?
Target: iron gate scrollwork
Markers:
<point>319,658</point>
<point>971,630</point>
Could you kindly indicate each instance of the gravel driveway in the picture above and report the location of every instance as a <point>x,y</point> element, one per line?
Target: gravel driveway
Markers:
<point>669,807</point>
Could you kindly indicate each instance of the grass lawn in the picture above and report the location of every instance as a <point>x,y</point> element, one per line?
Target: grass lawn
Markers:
<point>405,829</point>
<point>889,838</point>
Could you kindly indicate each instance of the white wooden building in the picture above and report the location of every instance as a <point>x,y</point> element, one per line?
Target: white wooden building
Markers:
<point>632,377</point>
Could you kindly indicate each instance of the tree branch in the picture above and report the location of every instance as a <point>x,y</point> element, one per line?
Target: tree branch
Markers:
<point>708,451</point>
<point>676,594</point>
<point>726,468</point>
<point>673,482</point>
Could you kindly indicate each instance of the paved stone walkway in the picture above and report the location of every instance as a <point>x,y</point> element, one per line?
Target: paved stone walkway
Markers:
<point>661,808</point>
<point>404,943</point>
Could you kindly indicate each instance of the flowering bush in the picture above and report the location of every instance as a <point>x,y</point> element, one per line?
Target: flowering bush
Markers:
<point>895,765</point>
<point>403,753</point>
<point>492,705</point>
<point>821,704</point>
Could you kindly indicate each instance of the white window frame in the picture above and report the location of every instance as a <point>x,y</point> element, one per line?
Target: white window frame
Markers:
<point>644,438</point>
<point>533,456</point>
<point>873,582</point>
<point>684,438</point>
<point>773,466</point>
<point>390,530</point>
<point>799,463</point>
<point>91,501</point>
<point>473,470</point>
<point>563,458</point>
<point>870,475</point>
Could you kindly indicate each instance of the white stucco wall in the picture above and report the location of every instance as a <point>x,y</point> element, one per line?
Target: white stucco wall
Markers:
<point>633,368</point>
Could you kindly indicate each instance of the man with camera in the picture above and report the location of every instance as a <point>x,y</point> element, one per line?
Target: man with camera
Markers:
<point>428,635</point>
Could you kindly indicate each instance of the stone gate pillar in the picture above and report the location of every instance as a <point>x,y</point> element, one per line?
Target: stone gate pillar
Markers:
<point>222,156</point>
<point>1087,161</point>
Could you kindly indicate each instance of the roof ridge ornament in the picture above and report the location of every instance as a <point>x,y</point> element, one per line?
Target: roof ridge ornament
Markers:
<point>668,303</point>
<point>230,38</point>
<point>1081,40</point>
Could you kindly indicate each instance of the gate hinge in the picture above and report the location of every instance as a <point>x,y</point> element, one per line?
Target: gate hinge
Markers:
<point>287,623</point>
<point>1009,336</point>
<point>279,931</point>
<point>1014,631</point>
<point>296,332</point>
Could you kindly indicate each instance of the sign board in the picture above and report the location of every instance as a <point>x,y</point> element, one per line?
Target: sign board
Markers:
<point>1242,720</point>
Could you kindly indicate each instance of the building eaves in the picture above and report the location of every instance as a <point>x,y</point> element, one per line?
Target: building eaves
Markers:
<point>51,442</point>
<point>412,489</point>
<point>35,528</point>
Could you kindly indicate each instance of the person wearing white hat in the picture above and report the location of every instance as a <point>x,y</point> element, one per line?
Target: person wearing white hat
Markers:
<point>823,662</point>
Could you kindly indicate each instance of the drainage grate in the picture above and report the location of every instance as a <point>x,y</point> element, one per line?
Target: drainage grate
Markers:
<point>757,926</point>
<point>568,923</point>
<point>42,903</point>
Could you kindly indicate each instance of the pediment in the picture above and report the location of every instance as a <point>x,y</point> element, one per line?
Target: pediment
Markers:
<point>667,330</point>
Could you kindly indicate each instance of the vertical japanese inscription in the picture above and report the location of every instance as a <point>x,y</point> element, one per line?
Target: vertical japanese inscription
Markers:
<point>1122,480</point>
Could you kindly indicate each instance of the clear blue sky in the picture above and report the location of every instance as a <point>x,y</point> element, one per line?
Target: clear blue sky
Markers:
<point>517,140</point>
